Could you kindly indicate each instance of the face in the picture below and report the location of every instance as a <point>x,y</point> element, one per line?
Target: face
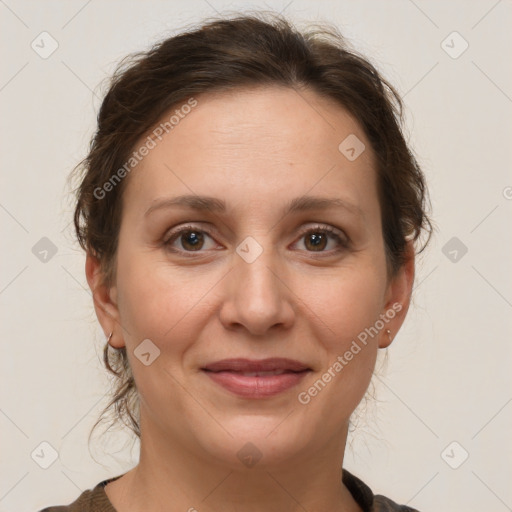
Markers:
<point>253,280</point>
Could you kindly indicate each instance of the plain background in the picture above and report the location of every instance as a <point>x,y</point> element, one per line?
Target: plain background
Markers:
<point>448,376</point>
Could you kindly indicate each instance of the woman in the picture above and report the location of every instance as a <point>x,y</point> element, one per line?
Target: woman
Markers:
<point>250,210</point>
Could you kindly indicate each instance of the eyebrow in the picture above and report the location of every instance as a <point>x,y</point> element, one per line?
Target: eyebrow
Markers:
<point>213,204</point>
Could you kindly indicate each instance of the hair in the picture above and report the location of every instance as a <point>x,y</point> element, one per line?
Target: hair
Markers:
<point>250,50</point>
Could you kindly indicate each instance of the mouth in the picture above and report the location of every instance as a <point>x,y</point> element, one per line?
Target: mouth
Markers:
<point>256,379</point>
<point>263,366</point>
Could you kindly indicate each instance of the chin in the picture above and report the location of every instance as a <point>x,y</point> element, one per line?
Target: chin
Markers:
<point>255,441</point>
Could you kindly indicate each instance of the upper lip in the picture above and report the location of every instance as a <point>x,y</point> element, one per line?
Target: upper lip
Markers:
<point>253,365</point>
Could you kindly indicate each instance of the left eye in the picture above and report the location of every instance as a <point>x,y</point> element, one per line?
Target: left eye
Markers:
<point>192,239</point>
<point>319,237</point>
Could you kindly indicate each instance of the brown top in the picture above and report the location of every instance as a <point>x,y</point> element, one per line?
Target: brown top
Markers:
<point>96,499</point>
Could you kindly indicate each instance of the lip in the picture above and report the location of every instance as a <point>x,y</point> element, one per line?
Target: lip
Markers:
<point>255,365</point>
<point>228,373</point>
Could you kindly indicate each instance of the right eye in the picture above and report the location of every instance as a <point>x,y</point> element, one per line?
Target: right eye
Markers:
<point>191,239</point>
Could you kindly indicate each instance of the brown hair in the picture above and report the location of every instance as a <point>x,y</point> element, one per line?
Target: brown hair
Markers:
<point>244,51</point>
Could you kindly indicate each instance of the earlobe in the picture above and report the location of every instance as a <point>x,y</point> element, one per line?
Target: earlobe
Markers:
<point>104,299</point>
<point>389,339</point>
<point>398,298</point>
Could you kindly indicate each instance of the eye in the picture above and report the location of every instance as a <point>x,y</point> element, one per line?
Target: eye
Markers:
<point>192,239</point>
<point>318,237</point>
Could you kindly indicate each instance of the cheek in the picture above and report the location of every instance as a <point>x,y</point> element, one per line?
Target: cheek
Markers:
<point>352,301</point>
<point>349,345</point>
<point>160,301</point>
<point>153,305</point>
<point>351,310</point>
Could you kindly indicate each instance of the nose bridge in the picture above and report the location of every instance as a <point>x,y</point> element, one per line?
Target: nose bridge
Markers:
<point>256,268</point>
<point>258,298</point>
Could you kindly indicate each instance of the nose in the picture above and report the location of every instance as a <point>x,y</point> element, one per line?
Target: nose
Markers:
<point>257,297</point>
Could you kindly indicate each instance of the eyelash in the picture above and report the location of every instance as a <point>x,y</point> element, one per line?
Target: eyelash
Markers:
<point>342,243</point>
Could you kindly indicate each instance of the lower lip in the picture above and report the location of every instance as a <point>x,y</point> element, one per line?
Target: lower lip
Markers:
<point>256,387</point>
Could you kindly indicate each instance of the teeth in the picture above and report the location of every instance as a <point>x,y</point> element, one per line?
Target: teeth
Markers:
<point>262,374</point>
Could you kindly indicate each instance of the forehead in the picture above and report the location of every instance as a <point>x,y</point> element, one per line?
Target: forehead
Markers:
<point>257,144</point>
<point>267,119</point>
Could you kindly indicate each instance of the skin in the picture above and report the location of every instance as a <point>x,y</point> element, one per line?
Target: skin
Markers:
<point>257,149</point>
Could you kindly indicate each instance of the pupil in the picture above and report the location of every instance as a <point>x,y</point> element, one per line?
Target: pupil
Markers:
<point>192,239</point>
<point>317,240</point>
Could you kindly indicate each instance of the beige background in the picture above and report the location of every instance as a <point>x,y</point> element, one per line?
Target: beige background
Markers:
<point>449,374</point>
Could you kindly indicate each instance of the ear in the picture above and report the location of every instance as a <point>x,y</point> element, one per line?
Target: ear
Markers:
<point>105,301</point>
<point>398,298</point>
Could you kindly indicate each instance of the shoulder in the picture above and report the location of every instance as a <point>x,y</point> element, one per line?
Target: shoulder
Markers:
<point>84,503</point>
<point>383,504</point>
<point>91,500</point>
<point>367,500</point>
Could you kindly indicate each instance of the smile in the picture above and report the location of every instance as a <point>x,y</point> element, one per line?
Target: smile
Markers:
<point>255,385</point>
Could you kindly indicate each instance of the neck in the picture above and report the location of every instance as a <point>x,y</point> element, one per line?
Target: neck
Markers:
<point>172,477</point>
